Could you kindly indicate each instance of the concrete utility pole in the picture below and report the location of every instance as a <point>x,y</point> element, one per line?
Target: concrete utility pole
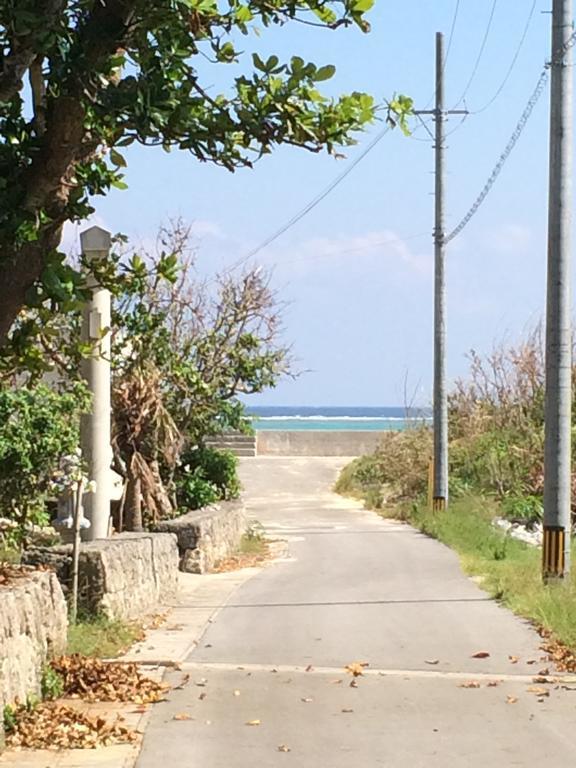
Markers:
<point>95,426</point>
<point>440,472</point>
<point>557,451</point>
<point>440,497</point>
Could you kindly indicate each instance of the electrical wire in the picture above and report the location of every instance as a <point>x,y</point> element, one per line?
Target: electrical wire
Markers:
<point>450,39</point>
<point>451,36</point>
<point>313,203</point>
<point>538,90</point>
<point>480,54</point>
<point>367,247</point>
<point>512,63</point>
<point>533,100</point>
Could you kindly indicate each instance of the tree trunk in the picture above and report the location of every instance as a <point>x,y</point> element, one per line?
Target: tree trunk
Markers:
<point>133,509</point>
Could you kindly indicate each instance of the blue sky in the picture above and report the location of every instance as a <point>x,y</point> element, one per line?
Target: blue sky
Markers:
<point>357,271</point>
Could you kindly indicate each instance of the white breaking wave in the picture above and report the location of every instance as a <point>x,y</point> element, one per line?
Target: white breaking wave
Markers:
<point>339,418</point>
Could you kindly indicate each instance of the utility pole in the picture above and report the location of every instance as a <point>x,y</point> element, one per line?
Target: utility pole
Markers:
<point>440,421</point>
<point>558,400</point>
<point>95,426</point>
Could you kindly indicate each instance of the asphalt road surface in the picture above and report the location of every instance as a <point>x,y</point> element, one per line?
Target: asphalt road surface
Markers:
<point>268,685</point>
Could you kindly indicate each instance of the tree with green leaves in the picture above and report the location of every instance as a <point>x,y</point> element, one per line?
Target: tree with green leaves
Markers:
<point>80,79</point>
<point>183,349</point>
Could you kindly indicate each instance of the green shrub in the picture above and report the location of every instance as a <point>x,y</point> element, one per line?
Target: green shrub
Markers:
<point>206,475</point>
<point>38,426</point>
<point>398,469</point>
<point>525,509</point>
<point>51,683</point>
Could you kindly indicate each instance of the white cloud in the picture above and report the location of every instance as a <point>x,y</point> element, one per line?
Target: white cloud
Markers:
<point>382,247</point>
<point>205,228</point>
<point>510,239</point>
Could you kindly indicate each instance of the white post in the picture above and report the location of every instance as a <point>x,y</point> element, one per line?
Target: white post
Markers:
<point>95,426</point>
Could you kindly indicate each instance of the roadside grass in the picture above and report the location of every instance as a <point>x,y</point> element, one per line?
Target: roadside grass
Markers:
<point>102,637</point>
<point>509,570</point>
<point>253,543</point>
<point>252,551</point>
<point>9,554</point>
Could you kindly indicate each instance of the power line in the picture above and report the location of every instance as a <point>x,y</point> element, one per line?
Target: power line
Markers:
<point>358,249</point>
<point>451,36</point>
<point>314,202</point>
<point>450,39</point>
<point>480,54</point>
<point>541,84</point>
<point>512,63</point>
<point>537,92</point>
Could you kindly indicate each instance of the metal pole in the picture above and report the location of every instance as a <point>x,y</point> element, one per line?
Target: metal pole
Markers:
<point>558,402</point>
<point>440,499</point>
<point>95,426</point>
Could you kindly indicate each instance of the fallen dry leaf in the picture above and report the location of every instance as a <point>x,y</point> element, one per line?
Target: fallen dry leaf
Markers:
<point>515,660</point>
<point>538,691</point>
<point>253,722</point>
<point>542,680</point>
<point>432,662</point>
<point>92,679</point>
<point>563,658</point>
<point>347,711</point>
<point>480,655</point>
<point>202,696</point>
<point>511,699</point>
<point>353,683</point>
<point>182,716</point>
<point>54,726</point>
<point>470,684</point>
<point>185,680</point>
<point>309,668</point>
<point>283,748</point>
<point>493,683</point>
<point>356,668</point>
<point>306,700</point>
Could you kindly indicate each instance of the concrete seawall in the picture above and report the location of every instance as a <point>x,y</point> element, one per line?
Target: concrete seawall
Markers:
<point>316,442</point>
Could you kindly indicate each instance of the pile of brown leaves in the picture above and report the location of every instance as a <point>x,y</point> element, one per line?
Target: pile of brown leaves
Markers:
<point>239,561</point>
<point>54,726</point>
<point>92,679</point>
<point>10,572</point>
<point>559,654</point>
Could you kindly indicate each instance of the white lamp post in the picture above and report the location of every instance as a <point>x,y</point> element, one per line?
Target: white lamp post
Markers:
<point>95,426</point>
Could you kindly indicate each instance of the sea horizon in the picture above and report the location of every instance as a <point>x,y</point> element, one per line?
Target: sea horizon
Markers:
<point>318,417</point>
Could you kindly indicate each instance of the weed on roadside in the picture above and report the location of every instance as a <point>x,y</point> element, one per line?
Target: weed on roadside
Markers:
<point>102,637</point>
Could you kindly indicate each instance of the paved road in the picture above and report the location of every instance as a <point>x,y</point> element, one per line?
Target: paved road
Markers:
<point>352,588</point>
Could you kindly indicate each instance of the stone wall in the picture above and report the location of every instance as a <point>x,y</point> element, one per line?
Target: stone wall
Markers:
<point>33,627</point>
<point>208,535</point>
<point>316,442</point>
<point>123,577</point>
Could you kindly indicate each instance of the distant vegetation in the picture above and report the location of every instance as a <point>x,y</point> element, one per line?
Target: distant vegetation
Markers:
<point>496,440</point>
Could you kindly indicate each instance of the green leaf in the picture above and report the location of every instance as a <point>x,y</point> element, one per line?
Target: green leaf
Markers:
<point>258,63</point>
<point>361,6</point>
<point>244,14</point>
<point>324,73</point>
<point>117,159</point>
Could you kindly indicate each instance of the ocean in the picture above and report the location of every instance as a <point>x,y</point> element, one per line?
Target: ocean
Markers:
<point>334,418</point>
